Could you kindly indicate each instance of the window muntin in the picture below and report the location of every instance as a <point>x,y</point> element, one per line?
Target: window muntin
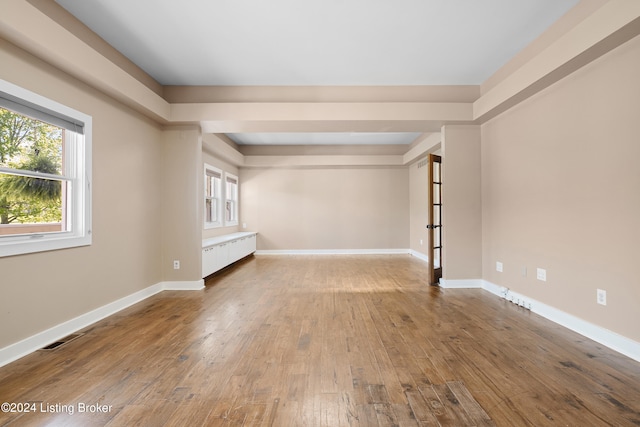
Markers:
<point>45,170</point>
<point>212,197</point>
<point>231,199</point>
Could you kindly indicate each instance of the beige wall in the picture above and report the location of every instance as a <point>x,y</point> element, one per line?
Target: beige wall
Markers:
<point>181,211</point>
<point>41,290</point>
<point>561,191</point>
<point>327,208</point>
<point>462,204</point>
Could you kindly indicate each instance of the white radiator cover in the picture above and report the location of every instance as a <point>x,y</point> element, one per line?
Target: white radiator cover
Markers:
<point>219,252</point>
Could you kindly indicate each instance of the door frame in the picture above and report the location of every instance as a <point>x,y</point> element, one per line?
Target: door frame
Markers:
<point>435,219</point>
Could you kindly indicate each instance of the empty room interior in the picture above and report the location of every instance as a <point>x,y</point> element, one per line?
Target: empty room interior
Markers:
<point>319,213</point>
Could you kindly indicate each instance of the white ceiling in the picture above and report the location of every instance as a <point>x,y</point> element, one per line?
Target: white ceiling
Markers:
<point>318,42</point>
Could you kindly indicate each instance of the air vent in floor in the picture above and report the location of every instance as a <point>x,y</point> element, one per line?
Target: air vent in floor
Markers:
<point>61,342</point>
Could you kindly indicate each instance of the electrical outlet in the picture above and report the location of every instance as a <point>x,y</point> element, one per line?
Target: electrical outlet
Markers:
<point>244,225</point>
<point>601,296</point>
<point>523,271</point>
<point>176,265</point>
<point>541,274</point>
<point>499,266</point>
<point>420,242</point>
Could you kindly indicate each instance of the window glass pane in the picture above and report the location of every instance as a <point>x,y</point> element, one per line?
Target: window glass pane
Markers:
<point>213,185</point>
<point>214,210</point>
<point>31,205</point>
<point>229,210</point>
<point>212,214</point>
<point>208,211</point>
<point>230,199</point>
<point>29,144</point>
<point>213,197</point>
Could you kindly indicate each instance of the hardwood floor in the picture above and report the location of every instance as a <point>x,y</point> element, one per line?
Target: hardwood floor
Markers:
<point>325,341</point>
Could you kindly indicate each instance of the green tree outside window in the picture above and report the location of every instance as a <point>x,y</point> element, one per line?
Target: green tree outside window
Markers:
<point>29,144</point>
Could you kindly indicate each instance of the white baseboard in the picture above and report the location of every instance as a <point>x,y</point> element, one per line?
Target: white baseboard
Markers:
<point>194,285</point>
<point>614,341</point>
<point>419,255</point>
<point>35,342</point>
<point>461,284</point>
<point>332,252</point>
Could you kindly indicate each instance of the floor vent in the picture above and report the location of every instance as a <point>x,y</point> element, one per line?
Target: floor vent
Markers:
<point>61,342</point>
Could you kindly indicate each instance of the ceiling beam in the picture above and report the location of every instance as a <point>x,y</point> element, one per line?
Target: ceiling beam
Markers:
<point>616,22</point>
<point>323,117</point>
<point>29,28</point>
<point>316,158</point>
<point>427,143</point>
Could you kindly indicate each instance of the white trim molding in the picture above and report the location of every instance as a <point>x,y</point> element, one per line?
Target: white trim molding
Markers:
<point>460,284</point>
<point>333,252</point>
<point>35,342</point>
<point>419,255</point>
<point>194,285</point>
<point>614,341</point>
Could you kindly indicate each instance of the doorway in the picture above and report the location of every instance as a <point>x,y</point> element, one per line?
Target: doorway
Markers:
<point>435,219</point>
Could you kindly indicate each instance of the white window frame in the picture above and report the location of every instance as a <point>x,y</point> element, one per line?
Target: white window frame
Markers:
<point>231,198</point>
<point>77,175</point>
<point>216,198</point>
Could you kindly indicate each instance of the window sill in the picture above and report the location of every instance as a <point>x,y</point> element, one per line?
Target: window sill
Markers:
<point>41,243</point>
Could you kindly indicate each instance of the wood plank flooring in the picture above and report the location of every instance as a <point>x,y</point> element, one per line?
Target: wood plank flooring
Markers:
<point>325,341</point>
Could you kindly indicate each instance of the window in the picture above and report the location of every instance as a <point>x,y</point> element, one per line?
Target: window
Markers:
<point>212,197</point>
<point>45,173</point>
<point>231,199</point>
